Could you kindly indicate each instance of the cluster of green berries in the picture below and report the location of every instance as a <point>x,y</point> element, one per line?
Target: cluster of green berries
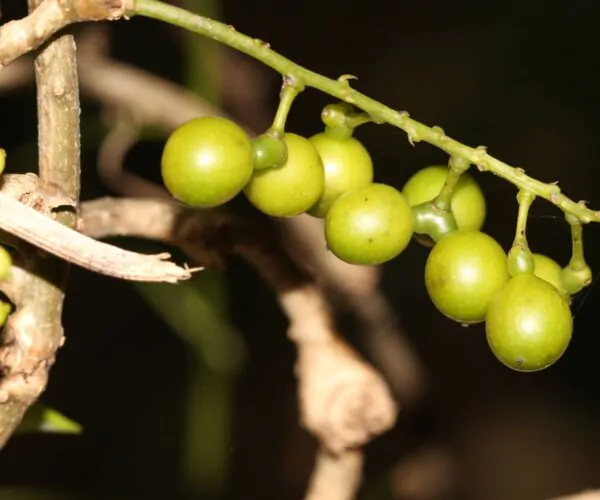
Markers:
<point>208,161</point>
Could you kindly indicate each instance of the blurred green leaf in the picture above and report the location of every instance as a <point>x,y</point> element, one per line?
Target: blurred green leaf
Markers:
<point>43,419</point>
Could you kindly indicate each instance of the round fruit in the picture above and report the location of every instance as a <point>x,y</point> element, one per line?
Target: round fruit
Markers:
<point>5,263</point>
<point>292,188</point>
<point>463,272</point>
<point>528,324</point>
<point>347,165</point>
<point>207,161</point>
<point>468,202</point>
<point>548,270</point>
<point>369,226</point>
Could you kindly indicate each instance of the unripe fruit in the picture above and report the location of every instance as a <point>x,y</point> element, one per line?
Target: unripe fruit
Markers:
<point>369,226</point>
<point>463,273</point>
<point>347,166</point>
<point>292,188</point>
<point>528,324</point>
<point>207,161</point>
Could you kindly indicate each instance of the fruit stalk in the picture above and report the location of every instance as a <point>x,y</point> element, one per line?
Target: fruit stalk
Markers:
<point>520,258</point>
<point>289,91</point>
<point>378,112</point>
<point>577,275</point>
<point>457,166</point>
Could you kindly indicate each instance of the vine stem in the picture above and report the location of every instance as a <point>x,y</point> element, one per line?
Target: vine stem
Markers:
<point>379,112</point>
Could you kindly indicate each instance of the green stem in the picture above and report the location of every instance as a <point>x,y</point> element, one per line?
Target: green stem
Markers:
<point>577,261</point>
<point>525,199</point>
<point>354,120</point>
<point>457,167</point>
<point>520,259</point>
<point>341,89</point>
<point>289,91</point>
<point>340,120</point>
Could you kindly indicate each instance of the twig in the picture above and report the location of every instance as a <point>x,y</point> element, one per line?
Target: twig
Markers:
<point>49,235</point>
<point>50,16</point>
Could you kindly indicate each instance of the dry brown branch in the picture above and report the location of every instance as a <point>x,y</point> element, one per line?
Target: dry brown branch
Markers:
<point>26,205</point>
<point>356,400</point>
<point>50,16</point>
<point>344,401</point>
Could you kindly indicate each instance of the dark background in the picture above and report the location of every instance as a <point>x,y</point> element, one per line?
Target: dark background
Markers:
<point>518,77</point>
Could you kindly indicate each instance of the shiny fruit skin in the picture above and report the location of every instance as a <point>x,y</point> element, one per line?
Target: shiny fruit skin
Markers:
<point>369,226</point>
<point>548,270</point>
<point>468,202</point>
<point>294,187</point>
<point>347,164</point>
<point>463,272</point>
<point>207,161</point>
<point>529,324</point>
